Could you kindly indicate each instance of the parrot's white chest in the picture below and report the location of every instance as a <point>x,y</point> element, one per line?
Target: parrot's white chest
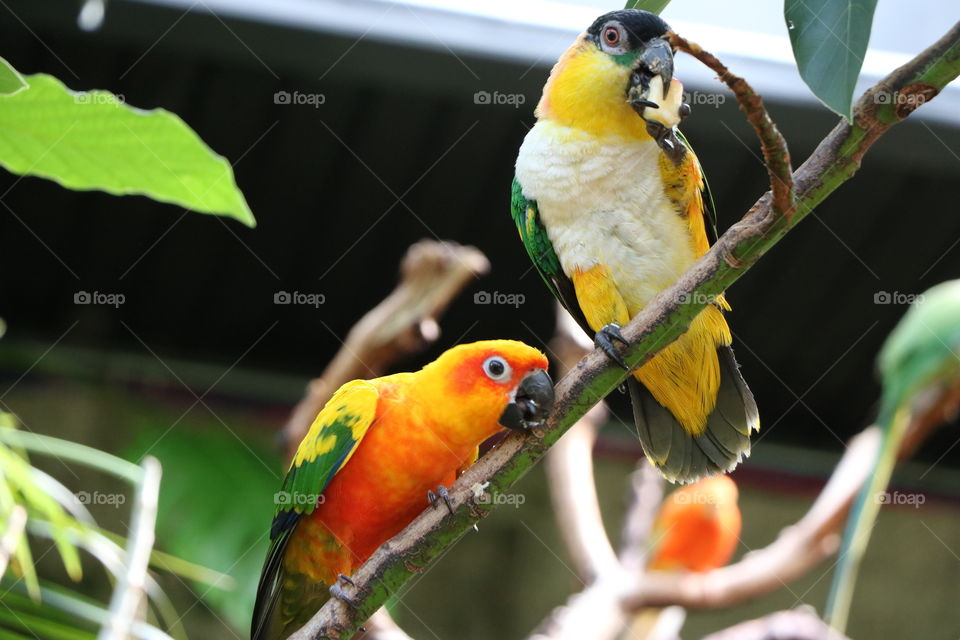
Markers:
<point>602,201</point>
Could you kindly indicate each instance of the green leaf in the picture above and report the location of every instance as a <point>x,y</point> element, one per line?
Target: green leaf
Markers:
<point>10,79</point>
<point>829,39</point>
<point>92,140</point>
<point>653,6</point>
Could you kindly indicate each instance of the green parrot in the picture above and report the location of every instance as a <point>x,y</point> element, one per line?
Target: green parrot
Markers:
<point>922,353</point>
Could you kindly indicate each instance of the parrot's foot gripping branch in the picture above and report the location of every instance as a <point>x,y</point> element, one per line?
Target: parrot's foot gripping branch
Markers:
<point>441,494</point>
<point>605,338</point>
<point>337,591</point>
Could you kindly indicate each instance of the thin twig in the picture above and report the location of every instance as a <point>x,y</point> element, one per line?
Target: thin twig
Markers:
<point>129,591</point>
<point>776,156</point>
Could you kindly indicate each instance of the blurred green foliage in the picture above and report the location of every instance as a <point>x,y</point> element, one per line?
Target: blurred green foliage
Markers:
<point>216,504</point>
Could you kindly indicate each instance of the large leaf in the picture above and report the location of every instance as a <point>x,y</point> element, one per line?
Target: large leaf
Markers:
<point>653,6</point>
<point>92,140</point>
<point>829,39</point>
<point>10,80</point>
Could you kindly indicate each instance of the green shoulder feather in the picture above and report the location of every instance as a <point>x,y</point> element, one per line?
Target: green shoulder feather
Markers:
<point>537,243</point>
<point>333,437</point>
<point>331,441</point>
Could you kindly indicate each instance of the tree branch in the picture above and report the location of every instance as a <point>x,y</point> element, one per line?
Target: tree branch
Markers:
<point>834,161</point>
<point>569,466</point>
<point>801,623</point>
<point>774,147</point>
<point>796,551</point>
<point>645,498</point>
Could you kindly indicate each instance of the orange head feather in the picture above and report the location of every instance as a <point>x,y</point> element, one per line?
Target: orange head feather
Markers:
<point>698,526</point>
<point>469,387</point>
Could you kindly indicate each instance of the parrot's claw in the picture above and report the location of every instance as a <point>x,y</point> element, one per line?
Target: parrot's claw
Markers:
<point>441,494</point>
<point>605,339</point>
<point>338,593</point>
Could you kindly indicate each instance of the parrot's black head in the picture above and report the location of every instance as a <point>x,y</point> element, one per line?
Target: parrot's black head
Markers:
<point>629,29</point>
<point>636,39</point>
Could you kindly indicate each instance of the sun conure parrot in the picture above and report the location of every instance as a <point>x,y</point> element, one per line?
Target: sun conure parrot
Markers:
<point>372,457</point>
<point>921,354</point>
<point>607,199</point>
<point>696,529</point>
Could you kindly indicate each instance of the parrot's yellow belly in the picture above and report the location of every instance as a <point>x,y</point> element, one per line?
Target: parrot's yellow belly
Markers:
<point>602,201</point>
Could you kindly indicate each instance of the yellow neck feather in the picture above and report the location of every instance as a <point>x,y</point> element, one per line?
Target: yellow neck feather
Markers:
<point>587,91</point>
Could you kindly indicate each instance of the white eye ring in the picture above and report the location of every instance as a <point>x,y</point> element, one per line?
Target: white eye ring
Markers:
<point>497,369</point>
<point>618,47</point>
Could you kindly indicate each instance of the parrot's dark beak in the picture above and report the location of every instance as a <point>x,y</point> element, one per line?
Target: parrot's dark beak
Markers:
<point>657,97</point>
<point>531,404</point>
<point>656,60</point>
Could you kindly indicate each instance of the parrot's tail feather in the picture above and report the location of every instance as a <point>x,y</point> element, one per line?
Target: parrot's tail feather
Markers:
<point>285,601</point>
<point>682,457</point>
<point>863,516</point>
<point>269,589</point>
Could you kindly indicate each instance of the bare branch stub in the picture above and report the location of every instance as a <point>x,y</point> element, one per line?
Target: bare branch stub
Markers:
<point>569,466</point>
<point>776,155</point>
<point>432,274</point>
<point>646,494</point>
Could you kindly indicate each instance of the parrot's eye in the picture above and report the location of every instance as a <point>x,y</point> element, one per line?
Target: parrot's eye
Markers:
<point>613,39</point>
<point>611,35</point>
<point>497,369</point>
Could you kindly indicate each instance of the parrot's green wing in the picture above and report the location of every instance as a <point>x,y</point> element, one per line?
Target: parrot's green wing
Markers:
<point>922,352</point>
<point>332,439</point>
<point>534,236</point>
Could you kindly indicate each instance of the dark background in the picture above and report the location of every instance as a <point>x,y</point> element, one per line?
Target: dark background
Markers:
<point>399,151</point>
<point>324,183</point>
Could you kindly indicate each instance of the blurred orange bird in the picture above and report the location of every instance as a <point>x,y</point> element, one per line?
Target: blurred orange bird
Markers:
<point>698,527</point>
